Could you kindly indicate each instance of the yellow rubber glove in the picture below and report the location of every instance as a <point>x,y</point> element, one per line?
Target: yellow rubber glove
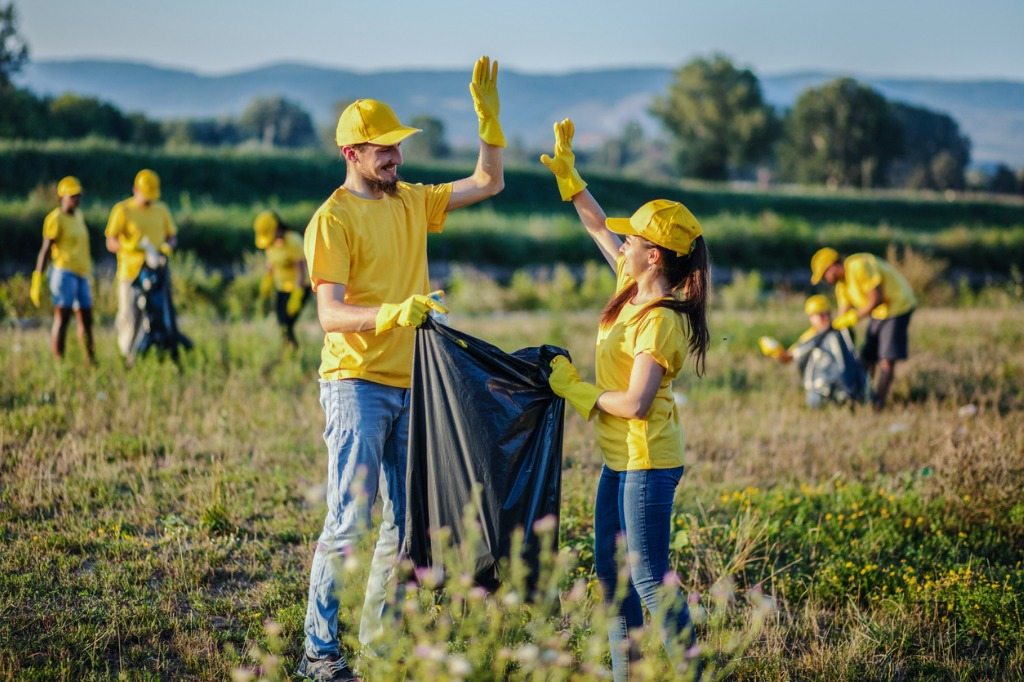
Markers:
<point>566,383</point>
<point>847,319</point>
<point>564,163</point>
<point>294,302</point>
<point>35,291</point>
<point>411,312</point>
<point>484,89</point>
<point>266,286</point>
<point>770,346</point>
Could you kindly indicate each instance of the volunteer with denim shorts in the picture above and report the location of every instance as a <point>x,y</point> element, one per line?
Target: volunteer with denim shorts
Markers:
<point>66,244</point>
<point>142,216</point>
<point>657,316</point>
<point>366,254</point>
<point>867,286</point>
<point>286,271</point>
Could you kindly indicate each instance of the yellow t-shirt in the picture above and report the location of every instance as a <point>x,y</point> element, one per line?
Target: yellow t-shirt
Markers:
<point>69,248</point>
<point>284,261</point>
<point>377,248</point>
<point>657,441</point>
<point>130,222</point>
<point>864,273</point>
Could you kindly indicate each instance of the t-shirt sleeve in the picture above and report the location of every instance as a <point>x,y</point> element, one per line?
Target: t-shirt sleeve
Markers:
<point>116,222</point>
<point>842,300</point>
<point>621,279</point>
<point>51,226</point>
<point>437,197</point>
<point>170,229</point>
<point>865,273</point>
<point>662,338</point>
<point>327,250</point>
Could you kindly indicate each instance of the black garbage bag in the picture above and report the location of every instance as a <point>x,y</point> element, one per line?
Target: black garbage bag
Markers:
<point>481,417</point>
<point>157,326</point>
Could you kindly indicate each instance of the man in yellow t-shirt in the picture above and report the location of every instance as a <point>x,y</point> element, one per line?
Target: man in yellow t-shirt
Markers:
<point>66,244</point>
<point>366,253</point>
<point>134,222</point>
<point>867,286</point>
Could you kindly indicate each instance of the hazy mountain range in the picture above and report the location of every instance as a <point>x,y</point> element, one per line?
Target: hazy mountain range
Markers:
<point>601,102</point>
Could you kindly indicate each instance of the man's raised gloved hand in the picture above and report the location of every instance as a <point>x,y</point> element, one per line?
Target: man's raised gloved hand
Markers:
<point>412,312</point>
<point>770,346</point>
<point>564,163</point>
<point>484,89</point>
<point>566,383</point>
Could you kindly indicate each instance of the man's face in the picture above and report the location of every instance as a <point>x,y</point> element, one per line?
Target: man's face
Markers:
<point>834,273</point>
<point>378,164</point>
<point>140,198</point>
<point>821,321</point>
<point>70,203</point>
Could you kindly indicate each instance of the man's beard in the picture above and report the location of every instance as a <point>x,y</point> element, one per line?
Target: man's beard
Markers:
<point>388,187</point>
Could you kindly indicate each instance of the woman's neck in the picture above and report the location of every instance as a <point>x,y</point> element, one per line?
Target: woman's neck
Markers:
<point>649,288</point>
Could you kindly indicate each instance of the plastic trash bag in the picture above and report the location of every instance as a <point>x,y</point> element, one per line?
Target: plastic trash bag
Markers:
<point>481,418</point>
<point>830,369</point>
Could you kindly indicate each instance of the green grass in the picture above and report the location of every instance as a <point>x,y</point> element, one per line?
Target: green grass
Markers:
<point>159,524</point>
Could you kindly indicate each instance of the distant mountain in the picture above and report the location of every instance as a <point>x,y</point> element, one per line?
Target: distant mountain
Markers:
<point>991,113</point>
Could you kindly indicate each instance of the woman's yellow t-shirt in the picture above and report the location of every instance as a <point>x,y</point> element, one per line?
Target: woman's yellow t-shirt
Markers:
<point>657,441</point>
<point>69,241</point>
<point>284,261</point>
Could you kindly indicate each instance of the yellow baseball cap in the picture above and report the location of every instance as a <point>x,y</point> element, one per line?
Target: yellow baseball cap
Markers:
<point>820,262</point>
<point>817,304</point>
<point>69,187</point>
<point>367,120</point>
<point>265,225</point>
<point>148,183</point>
<point>666,223</point>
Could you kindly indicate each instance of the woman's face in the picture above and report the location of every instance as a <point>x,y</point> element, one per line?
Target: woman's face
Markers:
<point>637,252</point>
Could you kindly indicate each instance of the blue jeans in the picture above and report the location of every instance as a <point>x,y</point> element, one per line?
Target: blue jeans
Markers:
<point>637,506</point>
<point>367,436</point>
<point>69,289</point>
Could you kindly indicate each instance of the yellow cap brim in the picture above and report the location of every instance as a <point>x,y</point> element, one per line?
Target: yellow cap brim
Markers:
<point>389,138</point>
<point>151,195</point>
<point>263,241</point>
<point>620,226</point>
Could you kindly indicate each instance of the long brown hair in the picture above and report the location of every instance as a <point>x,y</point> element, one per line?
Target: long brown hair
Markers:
<point>689,280</point>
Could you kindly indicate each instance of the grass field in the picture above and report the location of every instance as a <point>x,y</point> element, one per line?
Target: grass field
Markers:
<point>158,524</point>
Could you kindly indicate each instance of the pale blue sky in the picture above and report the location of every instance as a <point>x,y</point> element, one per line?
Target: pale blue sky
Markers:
<point>951,39</point>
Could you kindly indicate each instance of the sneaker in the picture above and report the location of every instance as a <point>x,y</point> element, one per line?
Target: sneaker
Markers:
<point>333,668</point>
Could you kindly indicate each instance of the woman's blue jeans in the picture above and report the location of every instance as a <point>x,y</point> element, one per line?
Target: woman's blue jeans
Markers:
<point>367,435</point>
<point>637,506</point>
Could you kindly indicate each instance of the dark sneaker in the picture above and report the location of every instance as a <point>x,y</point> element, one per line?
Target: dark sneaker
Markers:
<point>334,668</point>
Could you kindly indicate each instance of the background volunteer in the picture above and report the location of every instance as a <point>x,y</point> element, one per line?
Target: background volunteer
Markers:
<point>366,252</point>
<point>66,243</point>
<point>868,286</point>
<point>142,216</point>
<point>657,316</point>
<point>286,271</point>
<point>819,315</point>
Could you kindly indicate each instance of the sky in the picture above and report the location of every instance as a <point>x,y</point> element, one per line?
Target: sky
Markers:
<point>947,39</point>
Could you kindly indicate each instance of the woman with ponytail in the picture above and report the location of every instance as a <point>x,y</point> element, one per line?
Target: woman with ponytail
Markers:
<point>655,319</point>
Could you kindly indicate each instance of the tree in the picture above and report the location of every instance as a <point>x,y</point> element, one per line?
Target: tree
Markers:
<point>719,118</point>
<point>277,122</point>
<point>429,144</point>
<point>13,48</point>
<point>1003,180</point>
<point>841,134</point>
<point>935,152</point>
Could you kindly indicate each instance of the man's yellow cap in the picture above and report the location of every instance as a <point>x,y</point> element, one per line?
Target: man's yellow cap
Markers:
<point>666,223</point>
<point>69,187</point>
<point>265,225</point>
<point>817,305</point>
<point>148,183</point>
<point>367,120</point>
<point>820,262</point>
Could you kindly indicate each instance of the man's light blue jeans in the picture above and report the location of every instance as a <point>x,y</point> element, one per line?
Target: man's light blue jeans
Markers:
<point>367,435</point>
<point>637,506</point>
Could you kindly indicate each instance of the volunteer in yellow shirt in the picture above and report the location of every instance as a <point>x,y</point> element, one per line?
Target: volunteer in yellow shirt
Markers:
<point>366,254</point>
<point>286,270</point>
<point>655,319</point>
<point>867,286</point>
<point>141,217</point>
<point>66,244</point>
